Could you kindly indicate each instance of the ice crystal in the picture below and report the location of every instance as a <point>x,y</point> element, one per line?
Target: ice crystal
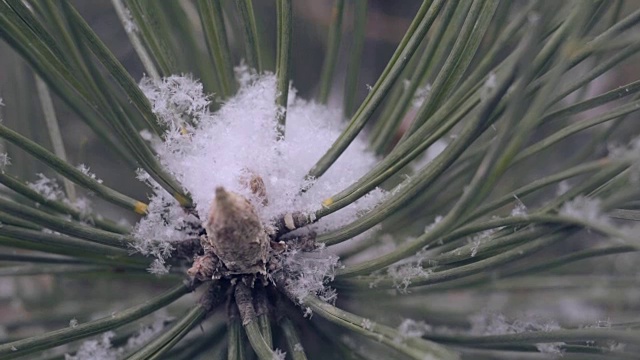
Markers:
<point>4,161</point>
<point>309,272</point>
<point>489,87</point>
<point>584,208</point>
<point>146,333</point>
<point>520,209</point>
<point>129,25</point>
<point>205,150</point>
<point>498,324</point>
<point>420,96</point>
<point>51,190</point>
<point>85,170</point>
<point>279,354</point>
<point>96,349</point>
<point>367,324</point>
<point>410,328</point>
<point>47,187</point>
<point>404,274</point>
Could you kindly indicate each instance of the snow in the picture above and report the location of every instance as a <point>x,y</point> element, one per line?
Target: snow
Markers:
<point>279,354</point>
<point>205,150</point>
<point>520,209</point>
<point>85,170</point>
<point>413,329</point>
<point>420,96</point>
<point>308,272</point>
<point>47,187</point>
<point>498,324</point>
<point>4,161</point>
<point>584,208</point>
<point>51,190</point>
<point>403,275</point>
<point>146,333</point>
<point>489,87</point>
<point>102,349</point>
<point>96,349</point>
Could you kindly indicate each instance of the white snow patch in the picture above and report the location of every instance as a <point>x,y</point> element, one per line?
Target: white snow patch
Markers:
<point>128,22</point>
<point>85,170</point>
<point>498,324</point>
<point>309,272</point>
<point>146,333</point>
<point>404,274</point>
<point>204,150</point>
<point>420,96</point>
<point>413,329</point>
<point>584,208</point>
<point>96,349</point>
<point>51,190</point>
<point>279,355</point>
<point>4,161</point>
<point>489,87</point>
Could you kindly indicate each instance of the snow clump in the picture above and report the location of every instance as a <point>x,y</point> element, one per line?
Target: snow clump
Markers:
<point>205,150</point>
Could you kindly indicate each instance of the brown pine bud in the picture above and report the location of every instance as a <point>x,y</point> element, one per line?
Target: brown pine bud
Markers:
<point>236,234</point>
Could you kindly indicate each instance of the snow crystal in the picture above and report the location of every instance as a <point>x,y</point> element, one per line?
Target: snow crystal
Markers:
<point>102,349</point>
<point>176,99</point>
<point>308,272</point>
<point>85,170</point>
<point>96,349</point>
<point>563,187</point>
<point>367,324</point>
<point>165,224</point>
<point>420,96</point>
<point>128,22</point>
<point>1,102</point>
<point>631,153</point>
<point>498,324</point>
<point>520,209</point>
<point>220,148</point>
<point>73,322</point>
<point>146,334</point>
<point>554,348</point>
<point>279,354</point>
<point>49,188</point>
<point>410,328</point>
<point>206,150</point>
<point>298,347</point>
<point>308,313</point>
<point>435,222</point>
<point>488,87</point>
<point>4,161</point>
<point>404,274</point>
<point>584,208</point>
